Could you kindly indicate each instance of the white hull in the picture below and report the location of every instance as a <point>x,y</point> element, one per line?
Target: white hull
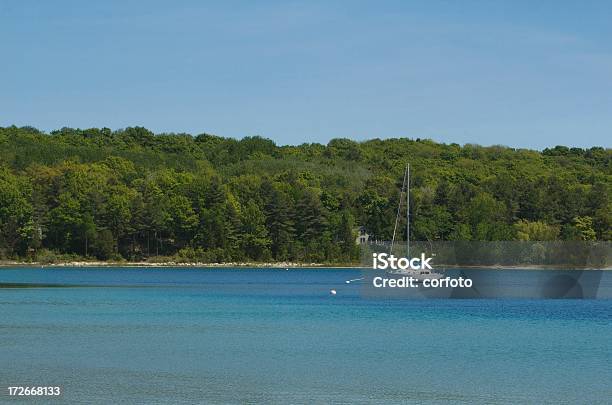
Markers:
<point>418,275</point>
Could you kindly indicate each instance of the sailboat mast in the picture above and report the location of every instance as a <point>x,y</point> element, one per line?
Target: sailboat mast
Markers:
<point>397,216</point>
<point>408,210</point>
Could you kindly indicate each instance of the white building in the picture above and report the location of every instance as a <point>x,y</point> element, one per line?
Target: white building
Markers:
<point>362,235</point>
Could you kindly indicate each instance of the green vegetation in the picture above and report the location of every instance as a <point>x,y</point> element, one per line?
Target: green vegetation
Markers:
<point>131,194</point>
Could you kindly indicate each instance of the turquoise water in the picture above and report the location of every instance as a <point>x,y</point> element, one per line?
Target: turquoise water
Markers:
<point>251,336</point>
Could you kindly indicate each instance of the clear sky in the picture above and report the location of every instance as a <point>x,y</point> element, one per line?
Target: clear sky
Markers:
<point>524,74</point>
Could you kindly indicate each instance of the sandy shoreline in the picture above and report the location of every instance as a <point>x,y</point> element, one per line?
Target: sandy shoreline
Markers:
<point>274,265</point>
<point>280,265</point>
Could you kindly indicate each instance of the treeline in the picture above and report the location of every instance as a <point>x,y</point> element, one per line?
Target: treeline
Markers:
<point>134,195</point>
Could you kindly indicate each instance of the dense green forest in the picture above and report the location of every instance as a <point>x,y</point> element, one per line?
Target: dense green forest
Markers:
<point>131,194</point>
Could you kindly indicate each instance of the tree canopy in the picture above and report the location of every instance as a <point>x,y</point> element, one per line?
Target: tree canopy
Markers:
<point>134,194</point>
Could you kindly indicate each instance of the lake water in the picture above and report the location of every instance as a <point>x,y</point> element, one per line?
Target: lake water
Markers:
<point>151,336</point>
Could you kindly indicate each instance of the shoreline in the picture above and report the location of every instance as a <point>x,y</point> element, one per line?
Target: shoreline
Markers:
<point>270,265</point>
<point>170,264</point>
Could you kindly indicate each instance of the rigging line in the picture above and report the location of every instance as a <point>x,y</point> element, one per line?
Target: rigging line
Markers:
<point>408,210</point>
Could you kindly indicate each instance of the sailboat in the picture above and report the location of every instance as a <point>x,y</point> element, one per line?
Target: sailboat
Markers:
<point>420,274</point>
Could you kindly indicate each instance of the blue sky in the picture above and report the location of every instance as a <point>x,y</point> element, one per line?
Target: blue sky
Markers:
<point>522,74</point>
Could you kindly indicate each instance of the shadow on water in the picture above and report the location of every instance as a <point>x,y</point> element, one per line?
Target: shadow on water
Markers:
<point>56,285</point>
<point>37,285</point>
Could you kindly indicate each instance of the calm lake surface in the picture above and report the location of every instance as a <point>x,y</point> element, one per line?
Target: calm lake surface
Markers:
<point>130,335</point>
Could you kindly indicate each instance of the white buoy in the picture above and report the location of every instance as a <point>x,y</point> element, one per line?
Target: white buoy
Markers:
<point>332,292</point>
